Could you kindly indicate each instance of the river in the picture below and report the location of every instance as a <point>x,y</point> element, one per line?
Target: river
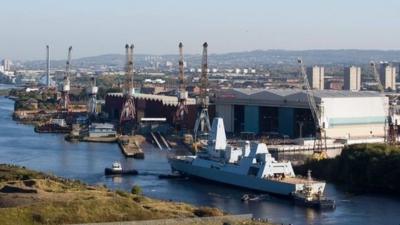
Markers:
<point>86,161</point>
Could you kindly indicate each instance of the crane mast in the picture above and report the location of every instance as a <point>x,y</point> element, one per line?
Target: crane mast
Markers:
<point>376,76</point>
<point>320,147</point>
<point>48,66</point>
<point>181,109</point>
<point>92,104</point>
<point>128,109</point>
<point>65,101</point>
<point>202,123</point>
<point>391,127</point>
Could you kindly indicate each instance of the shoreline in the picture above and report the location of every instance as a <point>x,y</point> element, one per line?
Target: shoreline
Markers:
<point>40,198</point>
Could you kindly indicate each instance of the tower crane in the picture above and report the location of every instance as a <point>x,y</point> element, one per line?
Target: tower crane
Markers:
<point>391,126</point>
<point>128,109</point>
<point>65,101</point>
<point>92,104</point>
<point>320,147</point>
<point>202,123</point>
<point>181,109</point>
<point>376,76</point>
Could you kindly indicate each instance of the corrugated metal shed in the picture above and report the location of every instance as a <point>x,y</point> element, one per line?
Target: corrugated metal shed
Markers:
<point>166,100</point>
<point>283,97</point>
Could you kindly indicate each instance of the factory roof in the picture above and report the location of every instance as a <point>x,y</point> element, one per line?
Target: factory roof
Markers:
<point>317,93</point>
<point>165,99</point>
<point>284,96</point>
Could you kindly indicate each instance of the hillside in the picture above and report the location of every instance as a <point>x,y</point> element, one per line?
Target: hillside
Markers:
<point>241,59</point>
<point>29,197</point>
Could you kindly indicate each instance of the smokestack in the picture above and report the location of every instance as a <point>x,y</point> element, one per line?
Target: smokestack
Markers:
<point>47,66</point>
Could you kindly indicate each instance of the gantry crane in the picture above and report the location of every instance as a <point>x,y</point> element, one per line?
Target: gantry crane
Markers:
<point>128,110</point>
<point>391,126</point>
<point>181,109</point>
<point>92,103</point>
<point>65,101</point>
<point>320,147</point>
<point>202,123</point>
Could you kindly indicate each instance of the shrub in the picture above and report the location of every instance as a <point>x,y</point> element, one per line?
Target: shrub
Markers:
<point>207,212</point>
<point>136,190</point>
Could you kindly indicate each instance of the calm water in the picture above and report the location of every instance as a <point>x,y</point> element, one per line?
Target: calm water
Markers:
<point>86,161</point>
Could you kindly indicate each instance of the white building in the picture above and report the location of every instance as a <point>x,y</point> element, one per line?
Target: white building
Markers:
<point>102,130</point>
<point>287,112</point>
<point>315,76</point>
<point>388,76</point>
<point>6,64</point>
<point>352,78</point>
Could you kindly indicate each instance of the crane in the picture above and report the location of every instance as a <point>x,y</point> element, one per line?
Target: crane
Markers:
<point>48,66</point>
<point>65,101</point>
<point>320,147</point>
<point>381,89</point>
<point>202,123</point>
<point>181,109</point>
<point>92,103</point>
<point>128,110</point>
<point>391,126</point>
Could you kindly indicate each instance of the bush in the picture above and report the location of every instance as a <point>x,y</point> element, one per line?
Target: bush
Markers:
<point>361,167</point>
<point>207,212</point>
<point>136,190</point>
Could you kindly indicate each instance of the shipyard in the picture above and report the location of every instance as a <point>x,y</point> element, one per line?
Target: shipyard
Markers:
<point>212,113</point>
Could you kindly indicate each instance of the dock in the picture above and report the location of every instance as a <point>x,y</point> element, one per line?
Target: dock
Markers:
<point>130,146</point>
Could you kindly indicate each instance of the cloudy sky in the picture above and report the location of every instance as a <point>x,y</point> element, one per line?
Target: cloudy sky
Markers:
<point>95,27</point>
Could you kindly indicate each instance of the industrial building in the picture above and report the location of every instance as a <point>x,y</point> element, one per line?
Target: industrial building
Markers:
<point>387,76</point>
<point>352,78</point>
<point>345,114</point>
<point>102,130</point>
<point>316,77</point>
<point>152,106</point>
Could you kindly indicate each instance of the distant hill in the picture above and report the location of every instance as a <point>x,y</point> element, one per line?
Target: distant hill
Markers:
<point>242,59</point>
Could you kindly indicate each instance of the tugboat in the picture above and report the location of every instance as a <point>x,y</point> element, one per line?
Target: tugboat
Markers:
<point>116,169</point>
<point>308,198</point>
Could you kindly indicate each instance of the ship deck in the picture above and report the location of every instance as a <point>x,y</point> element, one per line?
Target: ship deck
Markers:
<point>295,180</point>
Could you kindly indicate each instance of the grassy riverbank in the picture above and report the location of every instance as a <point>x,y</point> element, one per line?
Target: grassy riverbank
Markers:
<point>361,167</point>
<point>29,197</point>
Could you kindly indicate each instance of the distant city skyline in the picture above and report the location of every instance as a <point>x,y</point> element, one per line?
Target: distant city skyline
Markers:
<point>96,27</point>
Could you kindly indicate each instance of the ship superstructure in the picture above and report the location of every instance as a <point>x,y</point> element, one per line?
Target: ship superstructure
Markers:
<point>245,164</point>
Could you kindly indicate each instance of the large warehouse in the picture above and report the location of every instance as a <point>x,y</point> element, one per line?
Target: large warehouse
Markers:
<point>287,112</point>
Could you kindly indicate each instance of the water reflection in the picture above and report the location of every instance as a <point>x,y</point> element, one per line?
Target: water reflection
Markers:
<point>86,161</point>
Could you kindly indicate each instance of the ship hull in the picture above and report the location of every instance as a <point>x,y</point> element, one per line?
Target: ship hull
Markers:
<point>239,180</point>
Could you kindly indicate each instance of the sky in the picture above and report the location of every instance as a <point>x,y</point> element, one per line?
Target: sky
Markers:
<point>96,27</point>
